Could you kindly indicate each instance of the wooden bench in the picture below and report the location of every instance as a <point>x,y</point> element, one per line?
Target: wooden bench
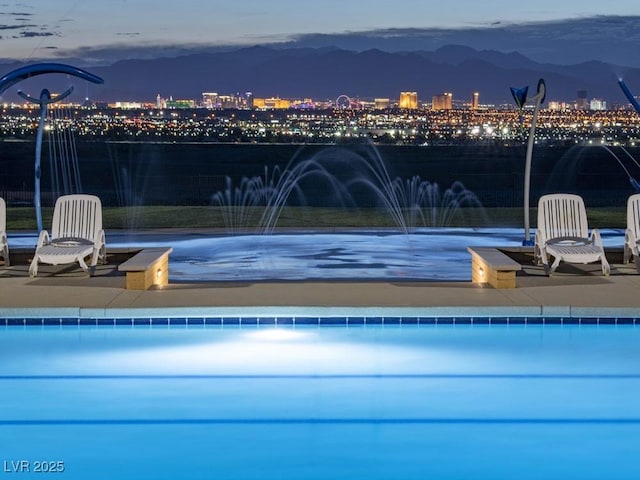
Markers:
<point>490,265</point>
<point>146,268</point>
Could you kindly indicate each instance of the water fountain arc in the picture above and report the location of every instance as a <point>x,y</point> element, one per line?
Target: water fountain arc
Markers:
<point>634,183</point>
<point>350,173</point>
<point>44,101</point>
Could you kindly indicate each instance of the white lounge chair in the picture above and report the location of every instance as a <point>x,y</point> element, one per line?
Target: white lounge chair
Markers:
<point>562,232</point>
<point>4,245</point>
<point>632,234</point>
<point>76,233</point>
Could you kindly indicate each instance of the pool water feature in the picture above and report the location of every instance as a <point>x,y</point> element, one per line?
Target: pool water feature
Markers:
<point>438,254</point>
<point>371,255</point>
<point>409,402</point>
<point>428,254</point>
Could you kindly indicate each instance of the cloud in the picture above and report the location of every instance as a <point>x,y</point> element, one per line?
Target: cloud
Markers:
<point>107,54</point>
<point>35,34</point>
<point>611,39</point>
<point>20,19</point>
<point>16,27</point>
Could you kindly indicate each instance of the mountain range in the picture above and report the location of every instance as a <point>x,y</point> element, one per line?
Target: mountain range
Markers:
<point>327,72</point>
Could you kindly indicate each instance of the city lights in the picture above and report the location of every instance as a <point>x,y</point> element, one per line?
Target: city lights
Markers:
<point>248,119</point>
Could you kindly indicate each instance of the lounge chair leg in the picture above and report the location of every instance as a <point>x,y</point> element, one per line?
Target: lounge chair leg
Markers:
<point>606,269</point>
<point>540,257</point>
<point>84,267</point>
<point>33,268</point>
<point>554,265</point>
<point>547,270</point>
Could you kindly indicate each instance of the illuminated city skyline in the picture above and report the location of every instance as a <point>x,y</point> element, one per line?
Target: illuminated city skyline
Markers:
<point>403,126</point>
<point>405,101</point>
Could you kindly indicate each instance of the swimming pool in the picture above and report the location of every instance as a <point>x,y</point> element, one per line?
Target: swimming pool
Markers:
<point>309,402</point>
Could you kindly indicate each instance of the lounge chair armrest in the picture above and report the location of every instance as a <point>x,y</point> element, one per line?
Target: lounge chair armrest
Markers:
<point>630,237</point>
<point>43,239</point>
<point>596,238</point>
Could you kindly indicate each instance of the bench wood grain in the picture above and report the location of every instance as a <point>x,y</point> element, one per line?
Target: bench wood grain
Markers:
<point>490,265</point>
<point>147,268</point>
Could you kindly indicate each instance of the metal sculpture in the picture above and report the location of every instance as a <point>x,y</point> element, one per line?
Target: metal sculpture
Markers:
<point>29,71</point>
<point>520,96</point>
<point>44,100</point>
<point>629,95</point>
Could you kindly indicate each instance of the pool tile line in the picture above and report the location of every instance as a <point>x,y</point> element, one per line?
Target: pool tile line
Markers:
<point>251,321</point>
<point>76,422</point>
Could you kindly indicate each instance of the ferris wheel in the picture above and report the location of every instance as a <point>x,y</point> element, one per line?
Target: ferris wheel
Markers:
<point>343,102</point>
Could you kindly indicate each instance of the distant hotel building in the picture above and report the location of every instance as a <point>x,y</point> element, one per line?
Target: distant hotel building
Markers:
<point>240,101</point>
<point>128,105</point>
<point>408,100</point>
<point>597,104</point>
<point>475,101</point>
<point>174,104</point>
<point>557,106</point>
<point>381,103</point>
<point>180,104</point>
<point>274,103</point>
<point>210,100</point>
<point>444,101</point>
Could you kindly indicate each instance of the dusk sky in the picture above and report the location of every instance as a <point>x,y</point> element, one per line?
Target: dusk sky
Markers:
<point>36,29</point>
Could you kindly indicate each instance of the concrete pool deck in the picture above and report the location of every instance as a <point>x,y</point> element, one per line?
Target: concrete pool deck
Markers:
<point>574,292</point>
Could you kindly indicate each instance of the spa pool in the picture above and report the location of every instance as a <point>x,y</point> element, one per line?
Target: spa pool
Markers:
<point>436,254</point>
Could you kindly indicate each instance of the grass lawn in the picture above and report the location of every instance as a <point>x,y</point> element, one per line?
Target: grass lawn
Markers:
<point>147,217</point>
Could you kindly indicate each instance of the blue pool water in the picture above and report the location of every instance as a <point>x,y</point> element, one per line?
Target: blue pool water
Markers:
<point>393,402</point>
<point>438,254</point>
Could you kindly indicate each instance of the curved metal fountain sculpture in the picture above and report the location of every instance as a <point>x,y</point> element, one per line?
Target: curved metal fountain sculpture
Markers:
<point>520,96</point>
<point>629,95</point>
<point>43,101</point>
